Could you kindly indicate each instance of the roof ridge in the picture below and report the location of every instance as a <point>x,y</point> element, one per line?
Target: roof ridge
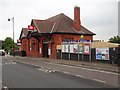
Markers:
<point>36,26</point>
<point>88,30</point>
<point>57,24</point>
<point>54,16</point>
<point>57,17</point>
<point>53,27</point>
<point>38,19</point>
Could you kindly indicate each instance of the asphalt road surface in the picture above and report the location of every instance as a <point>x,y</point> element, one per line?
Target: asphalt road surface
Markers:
<point>18,75</point>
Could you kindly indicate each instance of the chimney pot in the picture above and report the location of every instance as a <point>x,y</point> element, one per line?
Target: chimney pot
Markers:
<point>77,22</point>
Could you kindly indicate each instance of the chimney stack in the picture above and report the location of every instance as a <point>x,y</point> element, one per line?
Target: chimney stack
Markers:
<point>77,22</point>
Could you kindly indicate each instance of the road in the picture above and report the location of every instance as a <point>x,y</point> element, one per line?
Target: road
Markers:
<point>19,75</point>
<point>110,78</point>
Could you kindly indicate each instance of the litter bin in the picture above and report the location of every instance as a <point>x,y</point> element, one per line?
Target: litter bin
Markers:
<point>23,53</point>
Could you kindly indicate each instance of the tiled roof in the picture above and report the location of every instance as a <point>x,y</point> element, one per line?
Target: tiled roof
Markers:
<point>43,26</point>
<point>59,24</point>
<point>24,33</point>
<point>56,24</point>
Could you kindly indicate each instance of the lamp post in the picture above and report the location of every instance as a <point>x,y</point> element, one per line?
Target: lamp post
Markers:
<point>82,39</point>
<point>9,19</point>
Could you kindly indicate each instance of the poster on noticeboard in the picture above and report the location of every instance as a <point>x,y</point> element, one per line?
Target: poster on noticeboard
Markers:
<point>65,48</point>
<point>102,53</point>
<point>86,49</point>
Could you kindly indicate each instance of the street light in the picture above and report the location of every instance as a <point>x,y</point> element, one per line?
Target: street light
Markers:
<point>9,19</point>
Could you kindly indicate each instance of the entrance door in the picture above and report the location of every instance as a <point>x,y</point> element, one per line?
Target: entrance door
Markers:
<point>45,50</point>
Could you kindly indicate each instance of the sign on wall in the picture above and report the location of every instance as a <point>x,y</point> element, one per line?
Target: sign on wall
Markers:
<point>40,50</point>
<point>102,53</point>
<point>86,49</point>
<point>30,27</point>
<point>49,51</point>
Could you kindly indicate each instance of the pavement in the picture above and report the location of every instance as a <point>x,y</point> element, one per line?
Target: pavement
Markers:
<point>91,65</point>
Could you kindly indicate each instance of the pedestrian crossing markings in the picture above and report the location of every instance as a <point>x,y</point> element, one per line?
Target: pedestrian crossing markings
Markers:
<point>8,63</point>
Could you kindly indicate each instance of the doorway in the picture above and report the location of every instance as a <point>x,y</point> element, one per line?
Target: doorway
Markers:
<point>45,50</point>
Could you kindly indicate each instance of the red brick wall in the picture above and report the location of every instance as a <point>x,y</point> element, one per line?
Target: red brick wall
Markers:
<point>76,37</point>
<point>34,47</point>
<point>58,38</point>
<point>25,45</point>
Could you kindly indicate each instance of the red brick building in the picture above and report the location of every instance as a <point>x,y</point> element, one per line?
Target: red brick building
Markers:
<point>51,32</point>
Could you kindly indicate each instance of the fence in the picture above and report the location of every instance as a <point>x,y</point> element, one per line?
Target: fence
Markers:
<point>82,51</point>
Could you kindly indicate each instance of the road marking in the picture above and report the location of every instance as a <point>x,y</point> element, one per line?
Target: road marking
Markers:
<point>66,72</point>
<point>99,80</point>
<point>100,71</point>
<point>14,63</point>
<point>5,88</point>
<point>52,71</point>
<point>10,63</point>
<point>85,68</point>
<point>46,70</point>
<point>80,76</point>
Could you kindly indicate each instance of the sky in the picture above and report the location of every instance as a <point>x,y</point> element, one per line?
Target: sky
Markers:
<point>99,16</point>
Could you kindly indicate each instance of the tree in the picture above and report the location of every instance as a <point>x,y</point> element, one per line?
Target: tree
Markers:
<point>115,39</point>
<point>8,44</point>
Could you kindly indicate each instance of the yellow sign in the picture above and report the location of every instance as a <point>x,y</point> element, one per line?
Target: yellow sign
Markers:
<point>81,36</point>
<point>80,45</point>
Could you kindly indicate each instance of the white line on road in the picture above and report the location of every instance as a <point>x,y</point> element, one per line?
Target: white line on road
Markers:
<point>100,71</point>
<point>53,70</point>
<point>85,68</point>
<point>14,63</point>
<point>66,72</point>
<point>80,76</point>
<point>99,80</point>
<point>5,87</point>
<point>6,63</point>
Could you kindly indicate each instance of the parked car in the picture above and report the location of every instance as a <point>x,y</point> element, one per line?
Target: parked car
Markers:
<point>2,53</point>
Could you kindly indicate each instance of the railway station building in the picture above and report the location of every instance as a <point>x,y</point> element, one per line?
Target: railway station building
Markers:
<point>42,41</point>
